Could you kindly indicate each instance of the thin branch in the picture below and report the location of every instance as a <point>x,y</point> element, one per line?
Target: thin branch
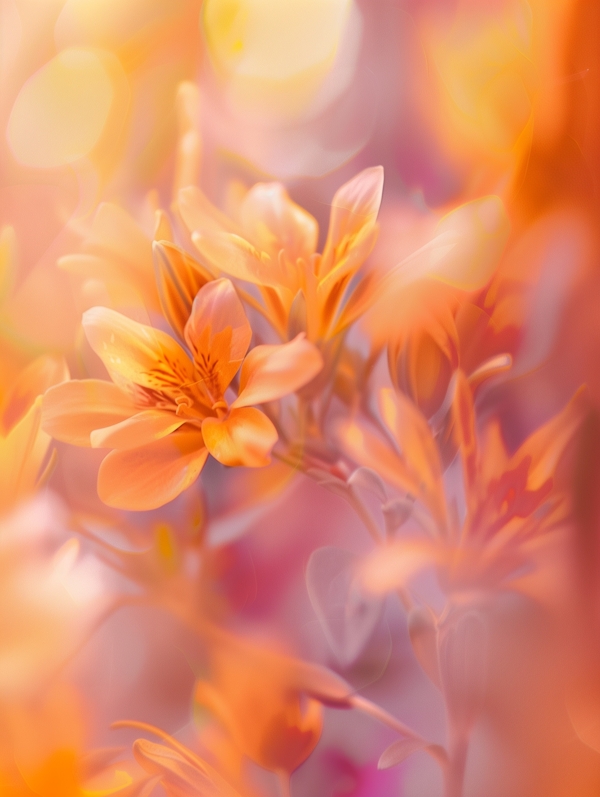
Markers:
<point>285,786</point>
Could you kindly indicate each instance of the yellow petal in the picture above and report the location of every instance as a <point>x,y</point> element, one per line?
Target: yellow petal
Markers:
<point>245,437</point>
<point>270,372</point>
<point>332,287</point>
<point>238,258</point>
<point>273,222</point>
<point>354,208</point>
<point>154,474</point>
<point>142,428</point>
<point>136,353</point>
<point>72,410</point>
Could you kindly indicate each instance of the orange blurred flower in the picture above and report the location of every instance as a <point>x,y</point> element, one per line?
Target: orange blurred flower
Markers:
<point>253,695</point>
<point>23,445</point>
<point>511,503</point>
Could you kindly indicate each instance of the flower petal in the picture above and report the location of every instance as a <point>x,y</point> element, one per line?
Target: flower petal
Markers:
<point>480,230</point>
<point>126,286</point>
<point>412,432</point>
<point>369,450</point>
<point>273,222</point>
<point>137,431</point>
<point>114,231</point>
<point>270,372</point>
<point>238,258</point>
<point>179,774</point>
<point>178,278</point>
<point>463,416</point>
<point>245,437</point>
<point>199,214</point>
<point>464,253</point>
<point>354,209</point>
<point>22,452</point>
<point>72,410</point>
<point>152,475</point>
<point>33,381</point>
<point>218,334</point>
<point>547,444</point>
<point>392,567</point>
<point>136,353</point>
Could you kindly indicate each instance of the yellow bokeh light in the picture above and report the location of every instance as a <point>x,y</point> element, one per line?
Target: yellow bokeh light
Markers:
<point>268,49</point>
<point>61,111</point>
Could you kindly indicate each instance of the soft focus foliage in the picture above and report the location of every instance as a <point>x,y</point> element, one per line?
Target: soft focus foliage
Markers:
<point>300,398</point>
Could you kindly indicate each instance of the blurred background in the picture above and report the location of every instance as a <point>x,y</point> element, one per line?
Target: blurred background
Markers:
<point>127,101</point>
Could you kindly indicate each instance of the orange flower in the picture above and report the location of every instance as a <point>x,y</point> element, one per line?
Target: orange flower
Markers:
<point>422,360</point>
<point>164,411</point>
<point>254,696</point>
<point>275,248</point>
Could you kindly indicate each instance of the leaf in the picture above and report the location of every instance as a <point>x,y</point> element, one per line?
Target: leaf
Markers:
<point>396,513</point>
<point>399,751</point>
<point>320,683</point>
<point>369,480</point>
<point>347,616</point>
